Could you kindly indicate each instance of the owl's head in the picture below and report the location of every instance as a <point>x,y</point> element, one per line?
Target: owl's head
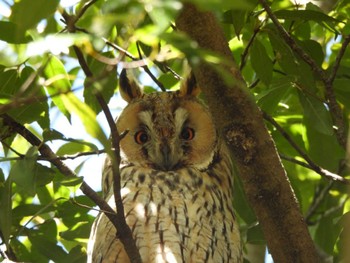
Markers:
<point>166,130</point>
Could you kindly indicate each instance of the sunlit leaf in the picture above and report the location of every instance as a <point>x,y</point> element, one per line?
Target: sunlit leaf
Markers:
<point>35,110</point>
<point>23,172</point>
<point>60,179</point>
<point>316,114</point>
<point>57,83</point>
<point>39,9</point>
<point>81,230</point>
<point>25,210</point>
<point>48,248</point>
<point>86,115</point>
<point>104,85</point>
<point>237,18</point>
<point>268,100</point>
<point>9,32</point>
<point>76,147</point>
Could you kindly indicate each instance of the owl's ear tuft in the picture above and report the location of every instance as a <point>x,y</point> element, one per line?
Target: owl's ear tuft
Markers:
<point>189,86</point>
<point>128,87</point>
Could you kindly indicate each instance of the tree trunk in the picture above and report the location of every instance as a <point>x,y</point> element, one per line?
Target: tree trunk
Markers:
<point>241,124</point>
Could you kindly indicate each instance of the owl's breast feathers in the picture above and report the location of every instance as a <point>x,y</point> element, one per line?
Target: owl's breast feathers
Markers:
<point>175,216</point>
<point>176,181</point>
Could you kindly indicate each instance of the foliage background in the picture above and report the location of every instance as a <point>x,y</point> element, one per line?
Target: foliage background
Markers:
<point>43,215</point>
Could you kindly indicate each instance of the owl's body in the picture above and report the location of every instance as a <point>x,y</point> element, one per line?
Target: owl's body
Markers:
<point>176,183</point>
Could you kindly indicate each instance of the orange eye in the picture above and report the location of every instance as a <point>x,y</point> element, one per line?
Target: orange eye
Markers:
<point>141,137</point>
<point>187,134</point>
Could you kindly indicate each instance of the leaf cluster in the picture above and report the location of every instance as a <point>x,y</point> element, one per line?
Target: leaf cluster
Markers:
<point>41,76</point>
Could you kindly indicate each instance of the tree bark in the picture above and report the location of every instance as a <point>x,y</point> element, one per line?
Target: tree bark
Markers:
<point>241,124</point>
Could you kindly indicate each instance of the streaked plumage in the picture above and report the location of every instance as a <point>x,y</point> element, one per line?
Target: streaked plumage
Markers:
<point>176,183</point>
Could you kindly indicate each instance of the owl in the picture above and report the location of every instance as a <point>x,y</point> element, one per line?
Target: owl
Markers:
<point>176,182</point>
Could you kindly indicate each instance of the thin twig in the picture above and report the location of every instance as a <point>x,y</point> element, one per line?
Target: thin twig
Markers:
<point>338,59</point>
<point>146,69</point>
<point>335,110</point>
<point>134,59</point>
<point>19,102</point>
<point>318,198</point>
<point>246,50</point>
<point>123,230</point>
<point>46,151</point>
<point>84,9</point>
<point>291,42</point>
<point>312,165</point>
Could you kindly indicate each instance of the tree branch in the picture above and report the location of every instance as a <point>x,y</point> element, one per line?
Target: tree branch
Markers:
<point>115,218</point>
<point>338,59</point>
<point>46,152</point>
<point>123,230</point>
<point>160,85</point>
<point>335,110</point>
<point>241,124</point>
<point>312,165</point>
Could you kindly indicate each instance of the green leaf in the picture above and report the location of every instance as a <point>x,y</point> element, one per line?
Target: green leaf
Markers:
<point>23,172</point>
<point>5,207</point>
<point>314,49</point>
<point>306,15</point>
<point>327,233</point>
<point>39,9</point>
<point>77,255</point>
<point>261,62</point>
<point>74,147</point>
<point>43,174</point>
<point>255,235</point>
<point>67,180</point>
<point>9,33</point>
<point>21,251</point>
<point>24,210</point>
<point>168,80</point>
<point>52,134</point>
<point>72,214</point>
<point>237,18</point>
<point>321,145</point>
<point>9,83</point>
<point>86,115</point>
<point>342,91</point>
<point>44,195</point>
<point>240,203</point>
<point>161,12</point>
<point>80,230</point>
<point>269,99</point>
<point>36,110</point>
<point>106,86</point>
<point>47,229</point>
<point>48,248</point>
<point>316,114</point>
<point>57,83</point>
<point>284,55</point>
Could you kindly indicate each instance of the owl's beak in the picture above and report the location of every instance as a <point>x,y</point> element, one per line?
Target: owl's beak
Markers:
<point>168,161</point>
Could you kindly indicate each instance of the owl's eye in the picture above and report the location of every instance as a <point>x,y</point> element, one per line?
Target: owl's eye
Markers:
<point>141,137</point>
<point>187,134</point>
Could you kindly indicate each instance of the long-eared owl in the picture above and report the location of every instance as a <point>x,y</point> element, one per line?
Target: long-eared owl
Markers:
<point>176,180</point>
